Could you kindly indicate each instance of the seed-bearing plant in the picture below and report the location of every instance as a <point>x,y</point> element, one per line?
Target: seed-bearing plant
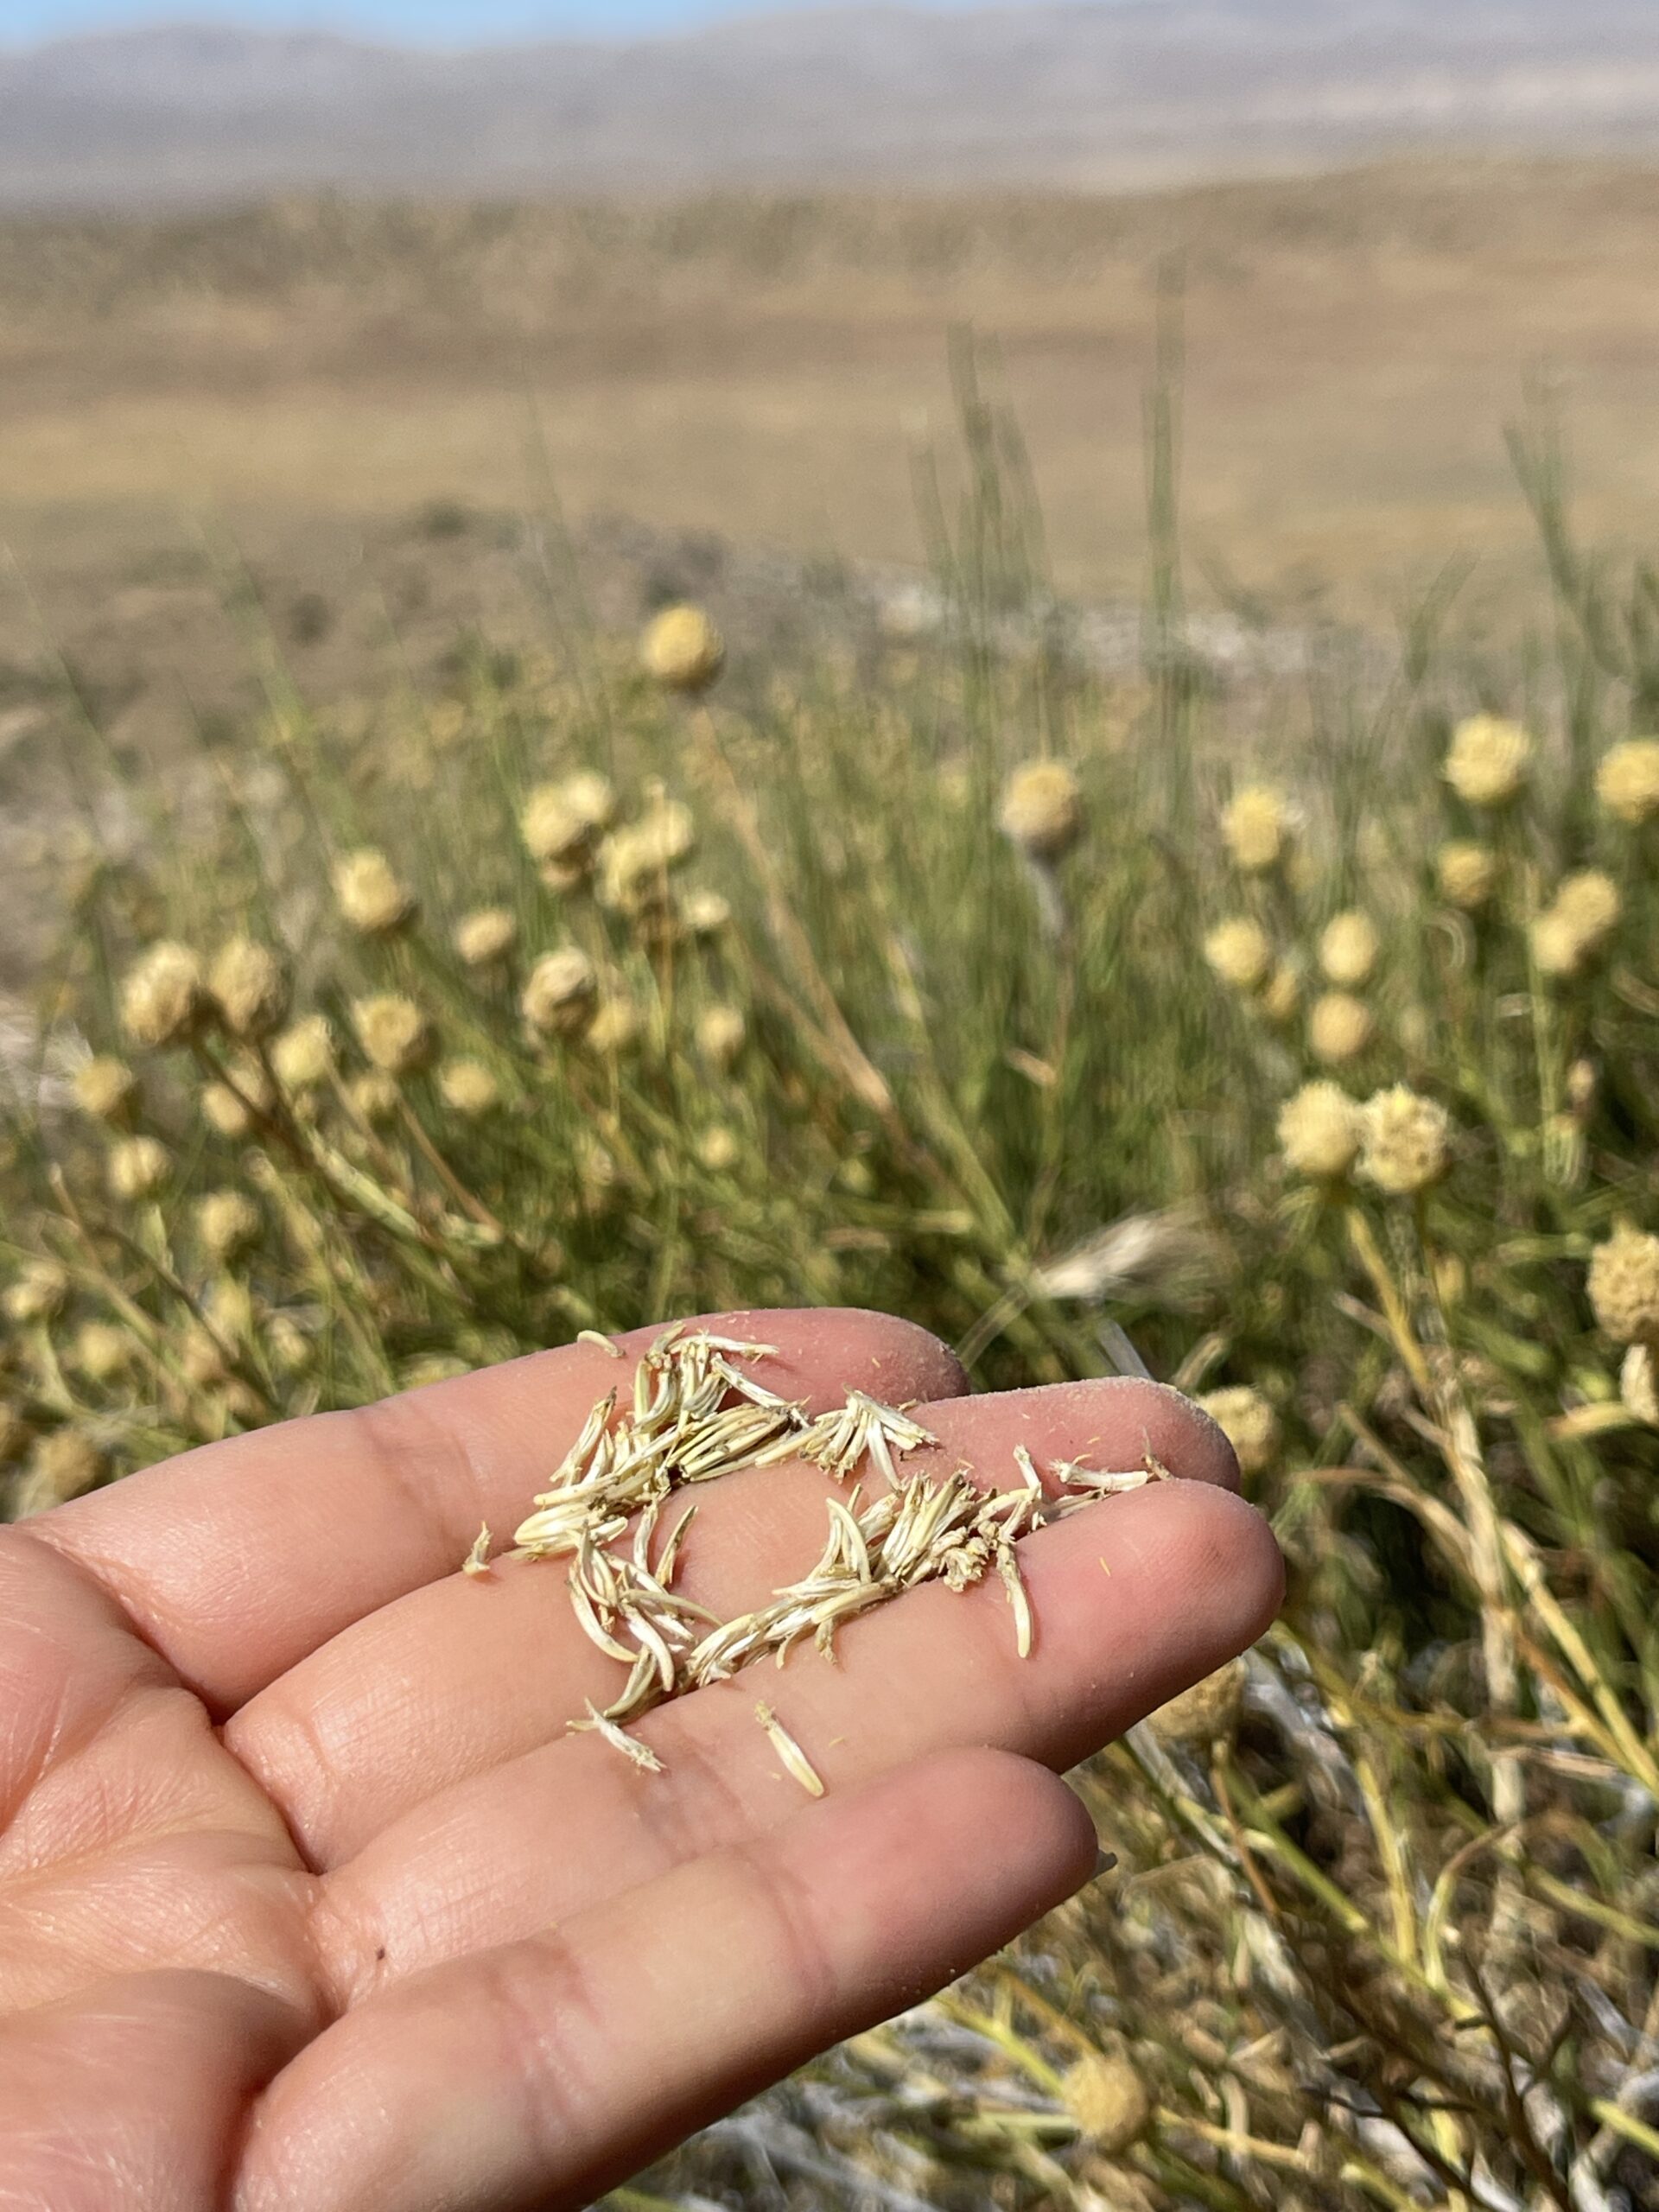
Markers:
<point>1299,1040</point>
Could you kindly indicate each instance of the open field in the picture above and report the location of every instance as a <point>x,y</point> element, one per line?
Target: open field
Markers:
<point>764,368</point>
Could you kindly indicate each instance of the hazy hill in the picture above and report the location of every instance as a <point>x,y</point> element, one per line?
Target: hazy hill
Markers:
<point>1068,93</point>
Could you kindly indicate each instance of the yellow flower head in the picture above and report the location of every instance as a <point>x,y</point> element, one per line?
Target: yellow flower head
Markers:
<point>706,913</point>
<point>1109,2101</point>
<point>614,1028</point>
<point>1250,1424</point>
<point>106,1090</point>
<point>1627,782</point>
<point>1582,916</point>
<point>722,1033</point>
<point>718,1149</point>
<point>556,832</point>
<point>137,1167</point>
<point>39,1291</point>
<point>369,895</point>
<point>250,987</point>
<point>1623,1286</point>
<point>303,1057</point>
<point>1239,952</point>
<point>164,998</point>
<point>1407,1141</point>
<point>1466,873</point>
<point>1340,1027</point>
<point>1042,809</point>
<point>227,1222</point>
<point>561,994</point>
<point>683,650</point>
<point>1320,1131</point>
<point>1349,950</point>
<point>486,937</point>
<point>1488,761</point>
<point>1255,828</point>
<point>468,1088</point>
<point>394,1034</point>
<point>634,861</point>
<point>1592,903</point>
<point>1559,949</point>
<point>102,1351</point>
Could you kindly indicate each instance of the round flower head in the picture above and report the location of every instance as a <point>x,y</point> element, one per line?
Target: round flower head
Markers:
<point>1407,1141</point>
<point>304,1056</point>
<point>163,998</point>
<point>1109,2101</point>
<point>1348,950</point>
<point>683,650</point>
<point>706,913</point>
<point>250,988</point>
<point>613,1029</point>
<point>1207,1713</point>
<point>394,1034</point>
<point>1248,1422</point>
<point>369,896</point>
<point>1559,949</point>
<point>635,860</point>
<point>722,1033</point>
<point>223,1111</point>
<point>227,1222</point>
<point>1466,873</point>
<point>590,798</point>
<point>1638,1390</point>
<point>554,832</point>
<point>1627,782</point>
<point>1255,828</point>
<point>102,1351</point>
<point>1340,1027</point>
<point>1320,1132</point>
<point>1592,903</point>
<point>718,1149</point>
<point>486,937</point>
<point>1042,809</point>
<point>66,1465</point>
<point>288,1345</point>
<point>468,1088</point>
<point>561,994</point>
<point>39,1292</point>
<point>1623,1286</point>
<point>106,1090</point>
<point>1488,761</point>
<point>137,1168</point>
<point>1240,954</point>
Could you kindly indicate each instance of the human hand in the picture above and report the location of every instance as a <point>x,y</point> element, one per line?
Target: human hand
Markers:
<point>309,1902</point>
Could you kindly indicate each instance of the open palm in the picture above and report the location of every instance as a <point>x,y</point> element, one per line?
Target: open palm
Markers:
<point>309,1904</point>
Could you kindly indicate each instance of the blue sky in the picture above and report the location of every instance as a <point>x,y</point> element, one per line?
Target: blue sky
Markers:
<point>24,21</point>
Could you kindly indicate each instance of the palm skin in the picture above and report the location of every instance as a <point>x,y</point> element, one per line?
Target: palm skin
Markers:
<point>308,1901</point>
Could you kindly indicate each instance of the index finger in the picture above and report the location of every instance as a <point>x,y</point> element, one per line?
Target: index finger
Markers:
<point>238,1560</point>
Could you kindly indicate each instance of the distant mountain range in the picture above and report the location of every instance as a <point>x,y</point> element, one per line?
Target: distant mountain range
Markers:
<point>1114,92</point>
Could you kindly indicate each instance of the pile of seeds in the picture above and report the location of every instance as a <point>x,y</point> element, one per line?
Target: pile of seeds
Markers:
<point>696,1414</point>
